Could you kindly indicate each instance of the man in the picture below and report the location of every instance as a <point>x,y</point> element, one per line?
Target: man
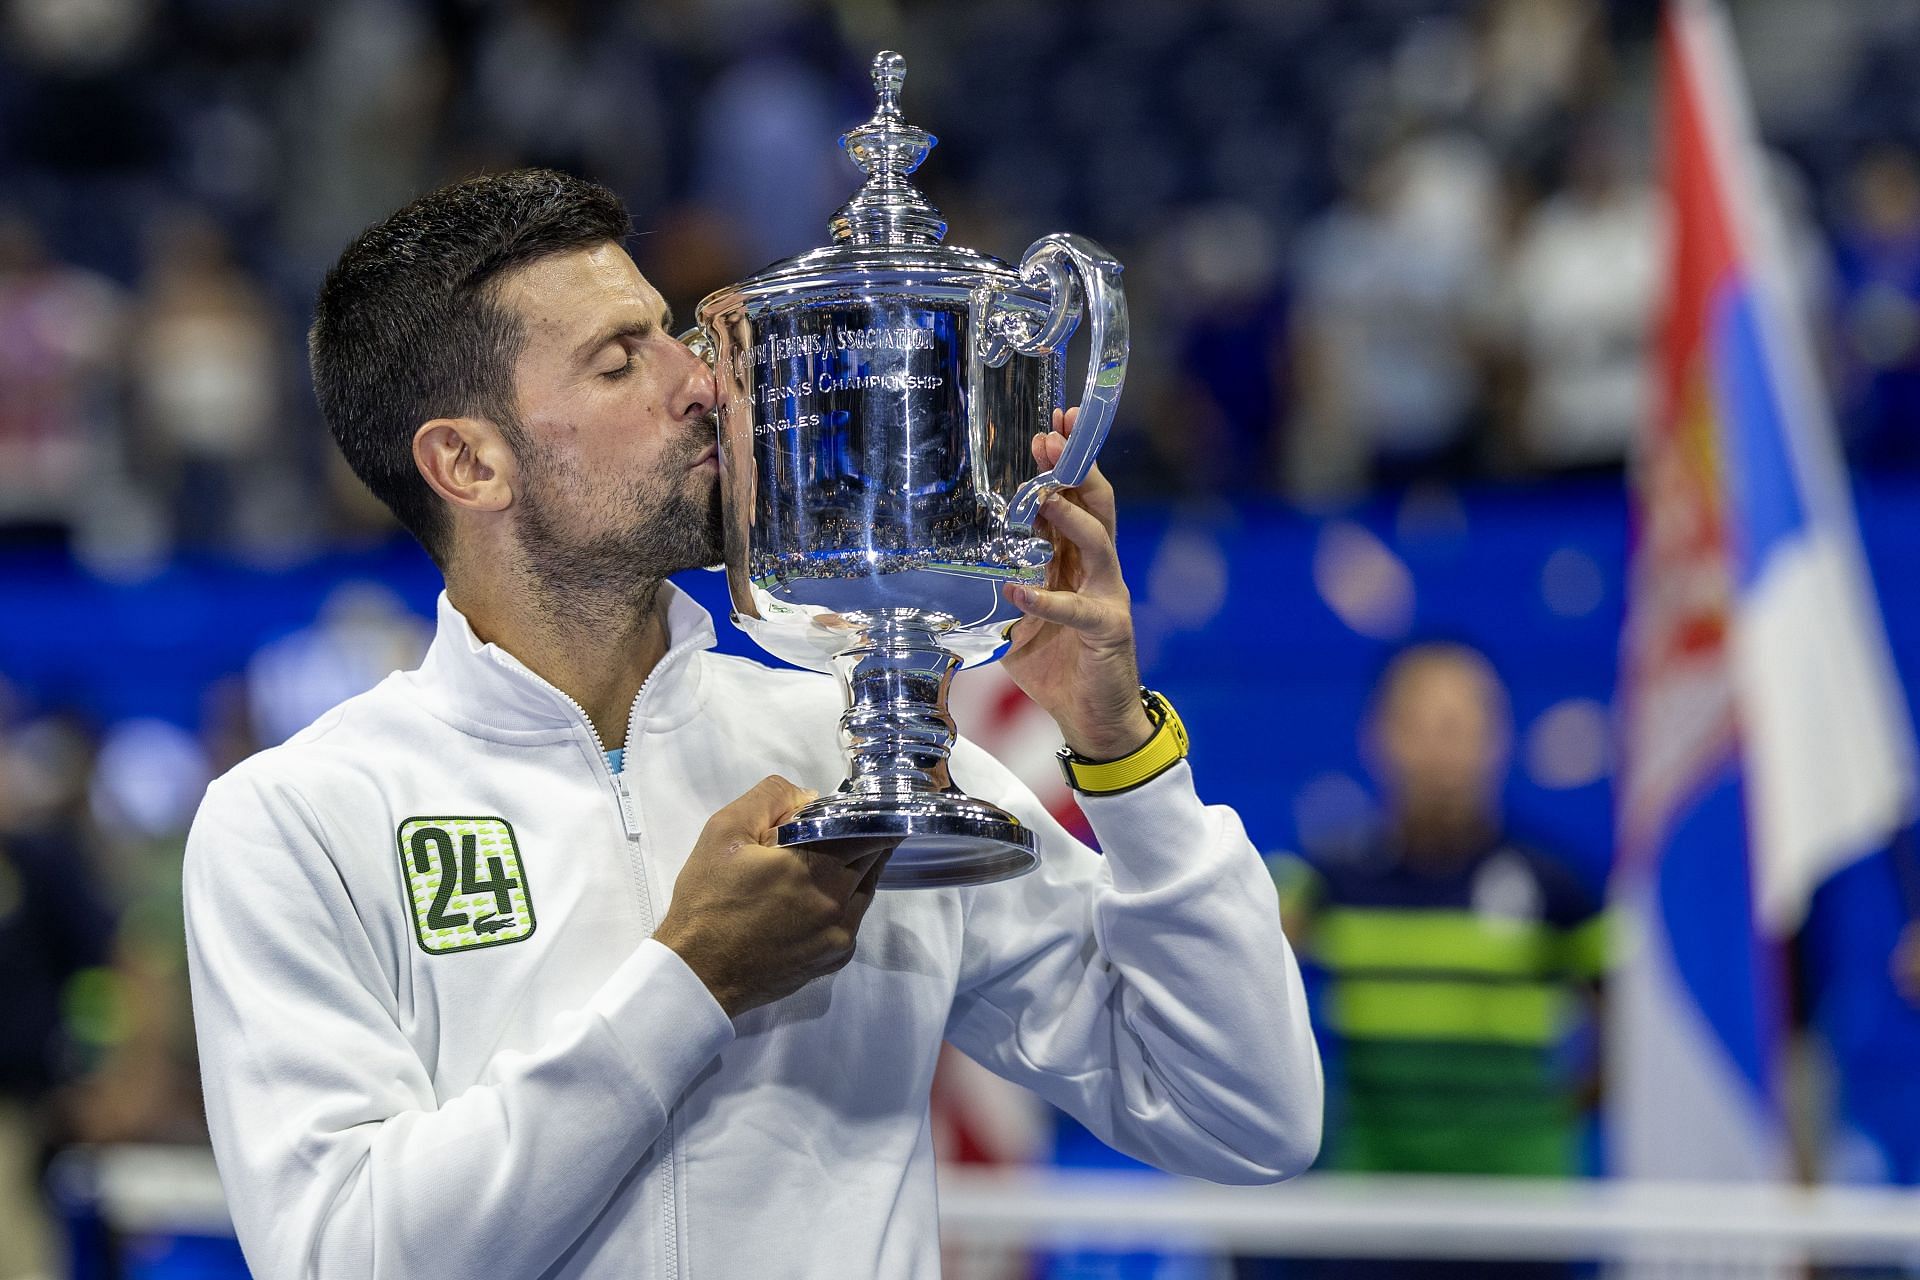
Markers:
<point>495,969</point>
<point>1455,960</point>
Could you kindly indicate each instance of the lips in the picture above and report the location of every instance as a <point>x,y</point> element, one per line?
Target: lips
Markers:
<point>707,455</point>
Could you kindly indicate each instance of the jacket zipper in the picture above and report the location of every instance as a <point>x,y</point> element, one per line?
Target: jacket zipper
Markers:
<point>630,827</point>
<point>668,1183</point>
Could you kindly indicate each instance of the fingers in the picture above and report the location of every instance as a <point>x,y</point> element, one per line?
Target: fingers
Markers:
<point>1099,620</point>
<point>862,896</point>
<point>1090,538</point>
<point>1096,604</point>
<point>839,867</point>
<point>1095,492</point>
<point>847,858</point>
<point>1049,445</point>
<point>767,804</point>
<point>846,908</point>
<point>854,851</point>
<point>877,856</point>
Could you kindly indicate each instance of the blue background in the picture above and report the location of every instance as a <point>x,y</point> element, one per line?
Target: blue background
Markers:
<point>1272,684</point>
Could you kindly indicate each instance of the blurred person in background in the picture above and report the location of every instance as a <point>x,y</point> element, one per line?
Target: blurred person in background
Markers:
<point>1223,425</point>
<point>86,128</point>
<point>1878,263</point>
<point>206,388</point>
<point>574,84</point>
<point>116,806</point>
<point>148,774</point>
<point>56,949</point>
<point>61,334</point>
<point>1454,960</point>
<point>1537,65</point>
<point>362,121</point>
<point>1385,355</point>
<point>758,142</point>
<point>1575,303</point>
<point>364,634</point>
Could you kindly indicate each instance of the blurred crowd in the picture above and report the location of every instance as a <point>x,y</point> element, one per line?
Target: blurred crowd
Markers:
<point>96,1038</point>
<point>1369,243</point>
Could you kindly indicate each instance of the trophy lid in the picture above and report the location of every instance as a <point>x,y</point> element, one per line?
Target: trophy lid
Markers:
<point>889,235</point>
<point>888,210</point>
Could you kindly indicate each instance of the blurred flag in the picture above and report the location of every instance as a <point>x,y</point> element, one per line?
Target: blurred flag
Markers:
<point>989,708</point>
<point>1766,741</point>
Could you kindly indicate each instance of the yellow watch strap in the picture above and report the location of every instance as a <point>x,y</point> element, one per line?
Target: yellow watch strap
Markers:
<point>1166,748</point>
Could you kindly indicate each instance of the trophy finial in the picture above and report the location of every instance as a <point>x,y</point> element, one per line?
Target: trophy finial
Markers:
<point>888,209</point>
<point>889,73</point>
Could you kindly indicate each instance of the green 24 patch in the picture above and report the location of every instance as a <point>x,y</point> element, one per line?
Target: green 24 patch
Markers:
<point>465,883</point>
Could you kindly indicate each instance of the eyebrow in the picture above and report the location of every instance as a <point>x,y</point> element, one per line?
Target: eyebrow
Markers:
<point>625,329</point>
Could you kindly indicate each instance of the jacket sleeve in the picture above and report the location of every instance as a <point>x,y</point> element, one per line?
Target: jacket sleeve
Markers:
<point>1150,993</point>
<point>337,1157</point>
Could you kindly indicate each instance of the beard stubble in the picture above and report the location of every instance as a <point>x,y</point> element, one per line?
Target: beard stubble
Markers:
<point>661,524</point>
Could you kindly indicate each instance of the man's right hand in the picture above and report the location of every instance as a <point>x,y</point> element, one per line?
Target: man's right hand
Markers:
<point>756,922</point>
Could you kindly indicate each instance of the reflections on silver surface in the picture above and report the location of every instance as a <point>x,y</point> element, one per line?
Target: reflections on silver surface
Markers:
<point>878,403</point>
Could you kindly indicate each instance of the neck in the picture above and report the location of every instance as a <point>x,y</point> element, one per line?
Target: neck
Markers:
<point>1442,833</point>
<point>596,651</point>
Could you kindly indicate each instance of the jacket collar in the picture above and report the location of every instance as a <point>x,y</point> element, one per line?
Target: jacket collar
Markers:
<point>480,687</point>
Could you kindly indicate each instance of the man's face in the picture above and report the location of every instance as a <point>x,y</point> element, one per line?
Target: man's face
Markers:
<point>618,483</point>
<point>1441,734</point>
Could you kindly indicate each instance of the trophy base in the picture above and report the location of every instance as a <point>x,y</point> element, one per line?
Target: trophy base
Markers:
<point>945,838</point>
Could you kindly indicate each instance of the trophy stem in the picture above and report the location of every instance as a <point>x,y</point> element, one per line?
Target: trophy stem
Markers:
<point>896,730</point>
<point>898,737</point>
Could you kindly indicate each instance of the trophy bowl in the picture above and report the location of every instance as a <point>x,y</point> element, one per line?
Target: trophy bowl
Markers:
<point>878,399</point>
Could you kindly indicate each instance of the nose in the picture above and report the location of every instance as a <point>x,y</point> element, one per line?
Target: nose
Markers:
<point>699,392</point>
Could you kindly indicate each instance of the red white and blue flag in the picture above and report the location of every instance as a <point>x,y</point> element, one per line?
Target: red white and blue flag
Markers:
<point>1766,742</point>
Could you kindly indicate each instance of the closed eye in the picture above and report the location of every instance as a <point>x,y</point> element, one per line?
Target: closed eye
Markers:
<point>624,369</point>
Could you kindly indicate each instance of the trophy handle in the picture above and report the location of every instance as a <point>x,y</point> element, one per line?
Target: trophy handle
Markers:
<point>1067,268</point>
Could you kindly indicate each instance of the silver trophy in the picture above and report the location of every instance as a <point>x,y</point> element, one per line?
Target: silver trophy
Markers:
<point>878,401</point>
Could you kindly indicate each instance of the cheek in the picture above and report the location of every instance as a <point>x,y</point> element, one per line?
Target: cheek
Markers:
<point>592,445</point>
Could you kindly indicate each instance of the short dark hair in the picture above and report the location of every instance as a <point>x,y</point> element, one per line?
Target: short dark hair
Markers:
<point>407,327</point>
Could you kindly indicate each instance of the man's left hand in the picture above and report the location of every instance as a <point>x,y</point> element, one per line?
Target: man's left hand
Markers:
<point>1073,652</point>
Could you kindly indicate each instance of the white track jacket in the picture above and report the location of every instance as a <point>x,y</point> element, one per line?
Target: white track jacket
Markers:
<point>437,1039</point>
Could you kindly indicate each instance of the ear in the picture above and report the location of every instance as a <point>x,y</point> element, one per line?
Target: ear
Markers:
<point>467,462</point>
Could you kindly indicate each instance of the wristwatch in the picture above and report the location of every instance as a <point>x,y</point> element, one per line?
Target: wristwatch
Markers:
<point>1166,748</point>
